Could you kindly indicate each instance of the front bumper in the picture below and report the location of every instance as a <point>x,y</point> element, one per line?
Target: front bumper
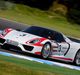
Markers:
<point>20,47</point>
<point>14,44</point>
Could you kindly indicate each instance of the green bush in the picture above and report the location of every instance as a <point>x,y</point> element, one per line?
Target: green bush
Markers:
<point>59,8</point>
<point>6,5</point>
<point>2,5</point>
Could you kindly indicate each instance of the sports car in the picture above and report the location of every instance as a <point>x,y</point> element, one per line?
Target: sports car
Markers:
<point>41,41</point>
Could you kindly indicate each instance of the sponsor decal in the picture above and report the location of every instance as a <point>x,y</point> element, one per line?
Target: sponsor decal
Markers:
<point>62,58</point>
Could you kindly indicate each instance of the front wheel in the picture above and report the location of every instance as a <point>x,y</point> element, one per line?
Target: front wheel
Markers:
<point>77,58</point>
<point>46,50</point>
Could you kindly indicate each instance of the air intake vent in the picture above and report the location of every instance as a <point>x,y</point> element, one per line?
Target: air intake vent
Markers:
<point>28,48</point>
<point>2,40</point>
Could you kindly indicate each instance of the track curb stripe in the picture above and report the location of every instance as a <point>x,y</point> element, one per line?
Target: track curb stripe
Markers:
<point>40,60</point>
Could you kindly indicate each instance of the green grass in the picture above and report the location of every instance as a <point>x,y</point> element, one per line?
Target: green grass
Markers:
<point>14,66</point>
<point>33,16</point>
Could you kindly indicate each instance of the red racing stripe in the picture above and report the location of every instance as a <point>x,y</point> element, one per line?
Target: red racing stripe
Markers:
<point>39,43</point>
<point>62,58</point>
<point>38,53</point>
<point>7,30</point>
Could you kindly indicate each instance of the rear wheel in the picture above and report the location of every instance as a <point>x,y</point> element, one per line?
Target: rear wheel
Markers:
<point>46,50</point>
<point>77,58</point>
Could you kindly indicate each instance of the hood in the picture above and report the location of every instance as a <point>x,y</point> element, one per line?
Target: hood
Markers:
<point>20,37</point>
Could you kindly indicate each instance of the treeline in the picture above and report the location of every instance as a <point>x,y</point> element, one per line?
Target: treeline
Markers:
<point>73,7</point>
<point>41,4</point>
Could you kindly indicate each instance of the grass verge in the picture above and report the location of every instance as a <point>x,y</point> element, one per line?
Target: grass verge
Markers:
<point>14,66</point>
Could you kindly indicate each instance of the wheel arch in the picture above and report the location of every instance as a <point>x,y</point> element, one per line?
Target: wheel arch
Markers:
<point>46,41</point>
<point>76,54</point>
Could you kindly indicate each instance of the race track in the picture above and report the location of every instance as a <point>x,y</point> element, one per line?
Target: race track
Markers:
<point>4,23</point>
<point>15,25</point>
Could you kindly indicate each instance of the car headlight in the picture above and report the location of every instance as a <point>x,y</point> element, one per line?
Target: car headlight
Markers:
<point>35,41</point>
<point>4,33</point>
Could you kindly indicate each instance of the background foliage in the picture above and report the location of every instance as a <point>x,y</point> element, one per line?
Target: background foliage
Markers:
<point>69,8</point>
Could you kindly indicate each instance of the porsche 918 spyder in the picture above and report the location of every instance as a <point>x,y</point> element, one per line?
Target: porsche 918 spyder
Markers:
<point>41,41</point>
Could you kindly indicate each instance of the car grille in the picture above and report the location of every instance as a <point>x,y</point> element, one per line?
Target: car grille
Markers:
<point>2,40</point>
<point>15,48</point>
<point>28,48</point>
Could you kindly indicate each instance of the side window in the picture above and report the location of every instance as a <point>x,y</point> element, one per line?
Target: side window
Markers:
<point>45,33</point>
<point>58,37</point>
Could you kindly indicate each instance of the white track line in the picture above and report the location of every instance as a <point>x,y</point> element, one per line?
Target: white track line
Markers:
<point>40,60</point>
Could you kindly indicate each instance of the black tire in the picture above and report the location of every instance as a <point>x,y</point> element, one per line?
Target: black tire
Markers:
<point>46,50</point>
<point>77,58</point>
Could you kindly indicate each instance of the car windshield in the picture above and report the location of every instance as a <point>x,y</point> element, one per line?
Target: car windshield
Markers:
<point>39,31</point>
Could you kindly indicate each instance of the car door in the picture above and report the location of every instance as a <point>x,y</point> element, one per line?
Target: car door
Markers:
<point>62,46</point>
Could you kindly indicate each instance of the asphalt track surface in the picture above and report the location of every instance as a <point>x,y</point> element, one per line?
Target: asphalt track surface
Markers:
<point>7,23</point>
<point>15,25</point>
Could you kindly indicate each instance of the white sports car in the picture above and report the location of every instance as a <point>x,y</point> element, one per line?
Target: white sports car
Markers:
<point>41,41</point>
